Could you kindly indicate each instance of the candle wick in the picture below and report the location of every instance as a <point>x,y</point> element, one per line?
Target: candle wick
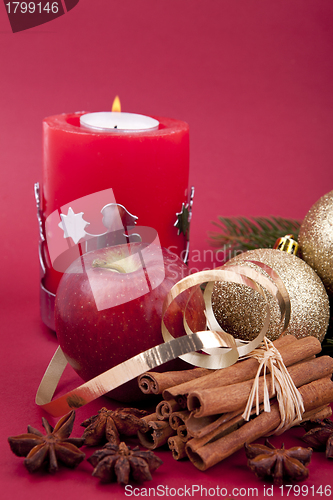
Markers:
<point>116,126</point>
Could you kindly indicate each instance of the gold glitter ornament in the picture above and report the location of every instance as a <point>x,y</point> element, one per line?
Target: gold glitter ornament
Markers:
<point>240,309</point>
<point>316,240</point>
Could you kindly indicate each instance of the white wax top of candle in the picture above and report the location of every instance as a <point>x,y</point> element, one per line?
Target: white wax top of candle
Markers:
<point>108,121</point>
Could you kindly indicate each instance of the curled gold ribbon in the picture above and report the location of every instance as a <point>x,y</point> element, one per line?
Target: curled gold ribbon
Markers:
<point>244,275</point>
<point>220,348</point>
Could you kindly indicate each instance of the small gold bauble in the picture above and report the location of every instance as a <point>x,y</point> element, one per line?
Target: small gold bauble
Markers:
<point>316,240</point>
<point>240,310</point>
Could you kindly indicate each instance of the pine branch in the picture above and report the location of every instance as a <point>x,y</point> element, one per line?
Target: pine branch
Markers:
<point>238,234</point>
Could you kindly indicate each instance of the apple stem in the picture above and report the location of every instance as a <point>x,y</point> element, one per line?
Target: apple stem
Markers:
<point>114,266</point>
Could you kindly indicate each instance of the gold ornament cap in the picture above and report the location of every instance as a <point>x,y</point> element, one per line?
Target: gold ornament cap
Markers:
<point>287,244</point>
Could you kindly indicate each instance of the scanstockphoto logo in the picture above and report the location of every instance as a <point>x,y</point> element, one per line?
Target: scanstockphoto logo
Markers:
<point>25,15</point>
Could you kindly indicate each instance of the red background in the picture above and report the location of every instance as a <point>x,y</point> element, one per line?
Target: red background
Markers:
<point>254,81</point>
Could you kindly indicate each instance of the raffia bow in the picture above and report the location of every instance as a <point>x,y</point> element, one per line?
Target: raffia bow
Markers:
<point>289,398</point>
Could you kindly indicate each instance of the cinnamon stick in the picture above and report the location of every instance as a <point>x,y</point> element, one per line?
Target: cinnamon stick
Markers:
<point>150,417</point>
<point>178,418</point>
<point>177,446</point>
<point>247,369</point>
<point>224,429</point>
<point>234,397</point>
<point>156,383</point>
<point>200,426</point>
<point>145,421</point>
<point>314,394</point>
<point>182,433</point>
<point>210,433</point>
<point>157,434</point>
<point>318,413</point>
<point>165,408</point>
<point>182,401</point>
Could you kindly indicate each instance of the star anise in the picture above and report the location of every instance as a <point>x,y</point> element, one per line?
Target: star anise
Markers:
<point>47,449</point>
<point>108,425</point>
<point>320,435</point>
<point>122,463</point>
<point>266,461</point>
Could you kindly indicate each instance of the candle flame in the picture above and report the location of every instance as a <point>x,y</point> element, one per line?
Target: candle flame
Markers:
<point>116,106</point>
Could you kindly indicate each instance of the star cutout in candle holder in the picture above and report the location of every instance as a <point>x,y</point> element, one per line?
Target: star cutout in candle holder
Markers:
<point>184,218</point>
<point>182,223</point>
<point>73,225</point>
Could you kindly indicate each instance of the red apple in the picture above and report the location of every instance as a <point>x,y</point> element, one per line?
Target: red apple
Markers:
<point>108,308</point>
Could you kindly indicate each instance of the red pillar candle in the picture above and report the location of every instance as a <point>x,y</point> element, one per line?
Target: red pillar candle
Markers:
<point>147,170</point>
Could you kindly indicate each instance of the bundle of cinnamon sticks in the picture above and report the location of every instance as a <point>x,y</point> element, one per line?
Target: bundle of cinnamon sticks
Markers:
<point>200,415</point>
